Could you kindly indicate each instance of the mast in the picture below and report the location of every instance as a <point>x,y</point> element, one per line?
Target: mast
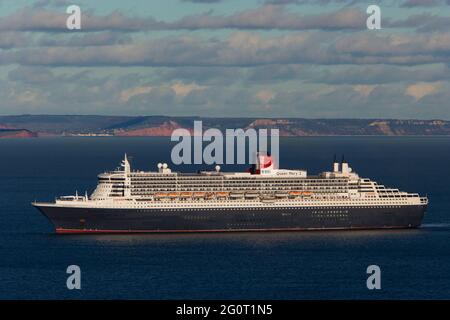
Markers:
<point>127,183</point>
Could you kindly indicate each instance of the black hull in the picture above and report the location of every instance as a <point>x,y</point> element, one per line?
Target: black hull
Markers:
<point>94,220</point>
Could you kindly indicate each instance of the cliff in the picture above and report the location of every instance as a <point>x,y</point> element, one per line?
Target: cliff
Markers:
<point>17,133</point>
<point>164,125</point>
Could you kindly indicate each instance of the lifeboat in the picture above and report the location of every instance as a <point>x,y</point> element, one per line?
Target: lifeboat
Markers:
<point>281,194</point>
<point>199,194</point>
<point>186,194</point>
<point>251,195</point>
<point>268,199</point>
<point>307,193</point>
<point>236,195</point>
<point>173,195</point>
<point>295,193</point>
<point>222,194</point>
<point>161,195</point>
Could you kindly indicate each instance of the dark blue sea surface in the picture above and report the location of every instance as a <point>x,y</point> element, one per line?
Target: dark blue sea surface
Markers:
<point>415,264</point>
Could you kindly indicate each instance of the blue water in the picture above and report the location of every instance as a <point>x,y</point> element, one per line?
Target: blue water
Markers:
<point>415,264</point>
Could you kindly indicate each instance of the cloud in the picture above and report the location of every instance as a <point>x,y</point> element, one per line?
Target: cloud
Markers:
<point>82,40</point>
<point>33,75</point>
<point>183,90</point>
<point>51,3</point>
<point>423,22</point>
<point>264,95</point>
<point>364,90</point>
<point>275,17</point>
<point>401,3</point>
<point>420,90</point>
<point>10,40</point>
<point>269,60</point>
<point>421,3</point>
<point>40,20</point>
<point>264,17</point>
<point>313,2</point>
<point>246,49</point>
<point>127,94</point>
<point>203,1</point>
<point>376,74</point>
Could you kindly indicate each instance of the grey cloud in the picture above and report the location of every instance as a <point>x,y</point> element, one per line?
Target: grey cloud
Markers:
<point>400,3</point>
<point>10,39</point>
<point>275,17</point>
<point>265,17</point>
<point>33,75</point>
<point>314,2</point>
<point>424,22</point>
<point>202,75</point>
<point>90,94</point>
<point>51,3</point>
<point>81,40</point>
<point>273,75</point>
<point>246,49</point>
<point>421,3</point>
<point>240,49</point>
<point>203,1</point>
<point>41,20</point>
<point>377,74</point>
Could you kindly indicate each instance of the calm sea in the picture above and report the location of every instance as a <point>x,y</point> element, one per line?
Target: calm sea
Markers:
<point>415,264</point>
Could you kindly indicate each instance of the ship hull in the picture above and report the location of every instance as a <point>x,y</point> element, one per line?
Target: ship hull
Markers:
<point>121,220</point>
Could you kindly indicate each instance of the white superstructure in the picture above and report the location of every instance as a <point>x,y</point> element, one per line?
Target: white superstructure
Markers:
<point>264,187</point>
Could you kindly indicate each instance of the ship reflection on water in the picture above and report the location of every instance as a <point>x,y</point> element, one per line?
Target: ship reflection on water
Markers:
<point>263,239</point>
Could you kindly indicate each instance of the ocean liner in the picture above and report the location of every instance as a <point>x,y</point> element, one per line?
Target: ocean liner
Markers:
<point>262,199</point>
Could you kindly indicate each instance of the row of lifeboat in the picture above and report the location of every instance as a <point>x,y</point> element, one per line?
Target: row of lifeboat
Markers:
<point>231,195</point>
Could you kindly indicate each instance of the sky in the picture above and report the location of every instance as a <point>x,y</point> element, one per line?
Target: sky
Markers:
<point>226,58</point>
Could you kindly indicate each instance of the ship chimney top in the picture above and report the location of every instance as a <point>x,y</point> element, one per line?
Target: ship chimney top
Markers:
<point>264,163</point>
<point>345,167</point>
<point>335,164</point>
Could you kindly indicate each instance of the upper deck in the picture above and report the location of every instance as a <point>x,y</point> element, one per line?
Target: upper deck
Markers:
<point>264,183</point>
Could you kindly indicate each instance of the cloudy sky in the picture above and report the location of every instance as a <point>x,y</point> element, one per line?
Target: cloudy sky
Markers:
<point>277,58</point>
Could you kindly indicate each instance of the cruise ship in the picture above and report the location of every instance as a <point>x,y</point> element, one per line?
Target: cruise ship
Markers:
<point>263,199</point>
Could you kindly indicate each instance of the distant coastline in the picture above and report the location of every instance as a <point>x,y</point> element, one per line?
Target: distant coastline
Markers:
<point>32,126</point>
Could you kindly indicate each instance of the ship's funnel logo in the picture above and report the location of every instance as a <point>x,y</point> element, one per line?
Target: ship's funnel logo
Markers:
<point>229,146</point>
<point>266,162</point>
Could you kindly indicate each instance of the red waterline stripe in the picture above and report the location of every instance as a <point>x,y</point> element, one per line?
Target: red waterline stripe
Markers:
<point>97,231</point>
